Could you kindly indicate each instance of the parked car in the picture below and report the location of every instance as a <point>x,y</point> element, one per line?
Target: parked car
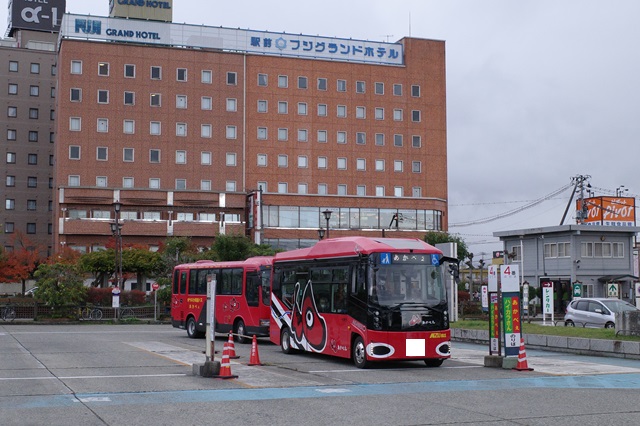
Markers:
<point>31,291</point>
<point>595,312</point>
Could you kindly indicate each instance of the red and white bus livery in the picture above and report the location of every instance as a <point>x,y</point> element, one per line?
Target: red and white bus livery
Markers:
<point>369,299</point>
<point>242,297</point>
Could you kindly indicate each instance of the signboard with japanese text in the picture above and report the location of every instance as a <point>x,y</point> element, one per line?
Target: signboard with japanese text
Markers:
<point>525,297</point>
<point>511,321</point>
<point>510,278</point>
<point>492,278</point>
<point>494,325</point>
<point>484,297</point>
<point>547,299</point>
<point>610,211</point>
<point>38,16</point>
<point>229,39</point>
<point>577,290</point>
<point>613,289</point>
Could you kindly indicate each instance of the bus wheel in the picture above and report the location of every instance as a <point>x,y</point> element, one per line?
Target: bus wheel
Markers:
<point>359,353</point>
<point>433,362</point>
<point>240,332</point>
<point>285,341</point>
<point>191,329</point>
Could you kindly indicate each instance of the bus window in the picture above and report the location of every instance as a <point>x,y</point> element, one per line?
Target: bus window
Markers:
<point>253,287</point>
<point>198,281</point>
<point>176,281</point>
<point>183,282</point>
<point>265,278</point>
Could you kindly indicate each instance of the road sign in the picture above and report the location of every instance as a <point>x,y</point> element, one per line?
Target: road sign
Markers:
<point>612,290</point>
<point>510,278</point>
<point>577,290</point>
<point>155,286</point>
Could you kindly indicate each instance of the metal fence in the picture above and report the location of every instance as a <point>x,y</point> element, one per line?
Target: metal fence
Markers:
<point>36,312</point>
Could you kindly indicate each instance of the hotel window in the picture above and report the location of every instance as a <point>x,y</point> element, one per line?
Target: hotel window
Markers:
<point>303,135</point>
<point>181,157</point>
<point>54,70</point>
<point>361,164</point>
<point>154,156</point>
<point>9,204</point>
<point>101,181</point>
<point>262,80</point>
<point>103,96</point>
<point>230,186</point>
<point>12,134</point>
<point>302,82</point>
<point>342,111</point>
<point>181,184</point>
<point>616,248</point>
<point>361,190</point>
<point>397,90</point>
<point>303,188</point>
<point>34,90</point>
<point>205,158</point>
<point>341,86</point>
<point>32,205</point>
<point>13,66</point>
<point>341,137</point>
<point>33,113</point>
<point>53,93</point>
<point>322,84</point>
<point>231,132</point>
<point>76,67</point>
<point>74,152</point>
<point>282,107</point>
<point>156,73</point>
<point>155,100</point>
<point>283,81</point>
<point>397,165</point>
<point>322,136</point>
<point>205,130</point>
<point>75,124</point>
<point>11,157</point>
<point>380,139</point>
<point>283,160</point>
<point>283,187</point>
<point>13,89</point>
<point>379,113</point>
<point>302,108</point>
<point>361,112</point>
<point>360,87</point>
<point>415,91</point>
<point>232,105</point>
<point>129,71</point>
<point>127,182</point>
<point>232,78</point>
<point>322,162</point>
<point>283,134</point>
<point>75,95</point>
<point>322,110</point>
<point>361,138</point>
<point>262,160</point>
<point>155,128</point>
<point>181,101</point>
<point>303,162</point>
<point>181,129</point>
<point>416,141</point>
<point>12,112</point>
<point>416,192</point>
<point>322,189</point>
<point>32,159</point>
<point>415,116</point>
<point>262,133</point>
<point>231,159</point>
<point>342,163</point>
<point>154,183</point>
<point>11,181</point>
<point>130,98</point>
<point>397,115</point>
<point>103,125</point>
<point>205,185</point>
<point>33,136</point>
<point>74,180</point>
<point>128,126</point>
<point>416,166</point>
<point>206,103</point>
<point>102,153</point>
<point>103,68</point>
<point>397,140</point>
<point>262,106</point>
<point>379,88</point>
<point>181,74</point>
<point>398,191</point>
<point>31,228</point>
<point>127,155</point>
<point>379,165</point>
<point>206,76</point>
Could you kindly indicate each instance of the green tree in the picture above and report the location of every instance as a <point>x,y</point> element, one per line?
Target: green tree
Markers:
<point>60,284</point>
<point>101,264</point>
<point>143,263</point>
<point>434,238</point>
<point>238,247</point>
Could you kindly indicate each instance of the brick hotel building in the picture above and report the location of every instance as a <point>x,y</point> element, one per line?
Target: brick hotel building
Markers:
<point>180,123</point>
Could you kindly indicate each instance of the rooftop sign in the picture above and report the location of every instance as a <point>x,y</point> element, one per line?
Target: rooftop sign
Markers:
<point>610,211</point>
<point>42,15</point>
<point>227,39</point>
<point>142,9</point>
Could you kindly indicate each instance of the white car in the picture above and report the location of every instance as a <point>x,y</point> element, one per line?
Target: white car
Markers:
<point>595,312</point>
<point>31,291</point>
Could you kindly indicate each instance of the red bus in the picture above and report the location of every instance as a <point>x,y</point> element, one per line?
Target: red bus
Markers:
<point>242,297</point>
<point>368,299</point>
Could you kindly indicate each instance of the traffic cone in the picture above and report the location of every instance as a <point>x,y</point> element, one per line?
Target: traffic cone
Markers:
<point>522,359</point>
<point>232,347</point>
<point>255,357</point>
<point>225,365</point>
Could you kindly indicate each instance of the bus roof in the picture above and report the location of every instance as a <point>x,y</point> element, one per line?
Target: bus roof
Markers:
<point>255,262</point>
<point>352,246</point>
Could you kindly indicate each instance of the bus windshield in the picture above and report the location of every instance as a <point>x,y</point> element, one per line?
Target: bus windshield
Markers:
<point>400,283</point>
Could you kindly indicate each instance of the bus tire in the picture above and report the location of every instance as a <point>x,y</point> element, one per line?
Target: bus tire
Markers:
<point>191,329</point>
<point>359,353</point>
<point>433,362</point>
<point>285,341</point>
<point>240,331</point>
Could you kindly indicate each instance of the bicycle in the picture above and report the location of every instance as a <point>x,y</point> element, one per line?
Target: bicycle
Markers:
<point>92,313</point>
<point>8,313</point>
<point>127,313</point>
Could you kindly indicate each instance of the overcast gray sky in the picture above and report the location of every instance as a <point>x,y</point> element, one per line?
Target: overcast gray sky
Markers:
<point>538,90</point>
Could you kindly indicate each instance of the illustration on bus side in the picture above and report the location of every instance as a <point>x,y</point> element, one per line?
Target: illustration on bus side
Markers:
<point>307,325</point>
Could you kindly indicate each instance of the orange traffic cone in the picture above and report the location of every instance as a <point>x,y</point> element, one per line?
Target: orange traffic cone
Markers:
<point>225,365</point>
<point>232,347</point>
<point>255,357</point>
<point>522,359</point>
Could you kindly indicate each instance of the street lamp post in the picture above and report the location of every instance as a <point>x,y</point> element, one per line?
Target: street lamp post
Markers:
<point>320,234</point>
<point>116,230</point>
<point>327,217</point>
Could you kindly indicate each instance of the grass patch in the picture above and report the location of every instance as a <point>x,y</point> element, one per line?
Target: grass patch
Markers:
<point>559,330</point>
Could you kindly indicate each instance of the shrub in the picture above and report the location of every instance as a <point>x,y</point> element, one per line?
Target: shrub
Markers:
<point>99,296</point>
<point>133,297</point>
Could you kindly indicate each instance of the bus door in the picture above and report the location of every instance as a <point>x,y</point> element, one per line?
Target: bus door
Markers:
<point>179,295</point>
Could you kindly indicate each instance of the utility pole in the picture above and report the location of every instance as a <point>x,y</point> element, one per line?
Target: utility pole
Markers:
<point>579,187</point>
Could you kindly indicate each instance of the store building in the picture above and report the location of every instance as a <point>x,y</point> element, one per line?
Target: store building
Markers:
<point>199,131</point>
